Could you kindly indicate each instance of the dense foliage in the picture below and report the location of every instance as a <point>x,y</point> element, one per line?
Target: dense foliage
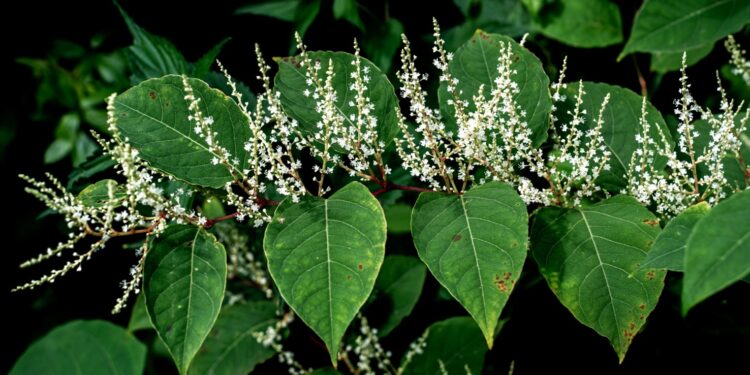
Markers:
<point>309,216</point>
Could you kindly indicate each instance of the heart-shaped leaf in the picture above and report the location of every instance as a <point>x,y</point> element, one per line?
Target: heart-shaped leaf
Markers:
<point>590,257</point>
<point>475,245</point>
<point>324,255</point>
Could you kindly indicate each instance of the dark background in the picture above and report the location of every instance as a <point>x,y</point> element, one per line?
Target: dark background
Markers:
<point>541,334</point>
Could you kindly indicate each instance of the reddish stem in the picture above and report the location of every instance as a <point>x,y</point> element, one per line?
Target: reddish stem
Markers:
<point>262,202</point>
<point>386,187</point>
<point>210,222</point>
<point>379,191</point>
<point>409,188</point>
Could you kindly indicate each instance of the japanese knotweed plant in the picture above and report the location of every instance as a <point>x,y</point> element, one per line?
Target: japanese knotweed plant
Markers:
<point>506,162</point>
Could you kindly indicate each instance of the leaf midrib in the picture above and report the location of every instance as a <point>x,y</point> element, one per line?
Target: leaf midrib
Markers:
<point>476,260</point>
<point>189,302</point>
<point>604,273</point>
<point>330,286</point>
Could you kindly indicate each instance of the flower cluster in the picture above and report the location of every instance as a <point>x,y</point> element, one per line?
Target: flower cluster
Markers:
<point>695,170</point>
<point>492,132</point>
<point>739,63</point>
<point>431,155</point>
<point>242,261</point>
<point>579,155</point>
<point>368,350</point>
<point>350,142</point>
<point>271,338</point>
<point>138,206</point>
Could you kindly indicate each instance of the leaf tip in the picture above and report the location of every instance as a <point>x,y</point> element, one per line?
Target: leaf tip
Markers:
<point>622,54</point>
<point>489,337</point>
<point>334,359</point>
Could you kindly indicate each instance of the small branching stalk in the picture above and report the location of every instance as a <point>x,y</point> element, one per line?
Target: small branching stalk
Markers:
<point>693,173</point>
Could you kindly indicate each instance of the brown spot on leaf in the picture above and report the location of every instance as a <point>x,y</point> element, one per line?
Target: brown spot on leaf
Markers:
<point>456,238</point>
<point>631,325</point>
<point>507,275</point>
<point>360,266</point>
<point>152,95</point>
<point>348,277</point>
<point>650,275</point>
<point>501,286</point>
<point>642,306</point>
<point>651,222</point>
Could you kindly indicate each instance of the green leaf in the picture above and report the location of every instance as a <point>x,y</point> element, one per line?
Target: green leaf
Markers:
<point>325,371</point>
<point>151,56</point>
<point>153,116</point>
<point>184,277</point>
<point>231,348</point>
<point>139,319</point>
<point>475,63</point>
<point>83,347</point>
<point>212,207</point>
<point>398,217</point>
<point>397,290</point>
<point>347,9</point>
<point>57,150</point>
<point>84,148</point>
<point>681,25</point>
<point>668,251</point>
<point>290,82</point>
<point>664,62</point>
<point>324,256</point>
<point>456,343</point>
<point>475,245</point>
<point>280,9</point>
<point>621,124</point>
<point>88,169</point>
<point>718,250</point>
<point>203,65</point>
<point>219,81</point>
<point>590,256</point>
<point>67,127</point>
<point>97,194</point>
<point>582,23</point>
<point>535,6</point>
<point>507,17</point>
<point>382,43</point>
<point>304,16</point>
